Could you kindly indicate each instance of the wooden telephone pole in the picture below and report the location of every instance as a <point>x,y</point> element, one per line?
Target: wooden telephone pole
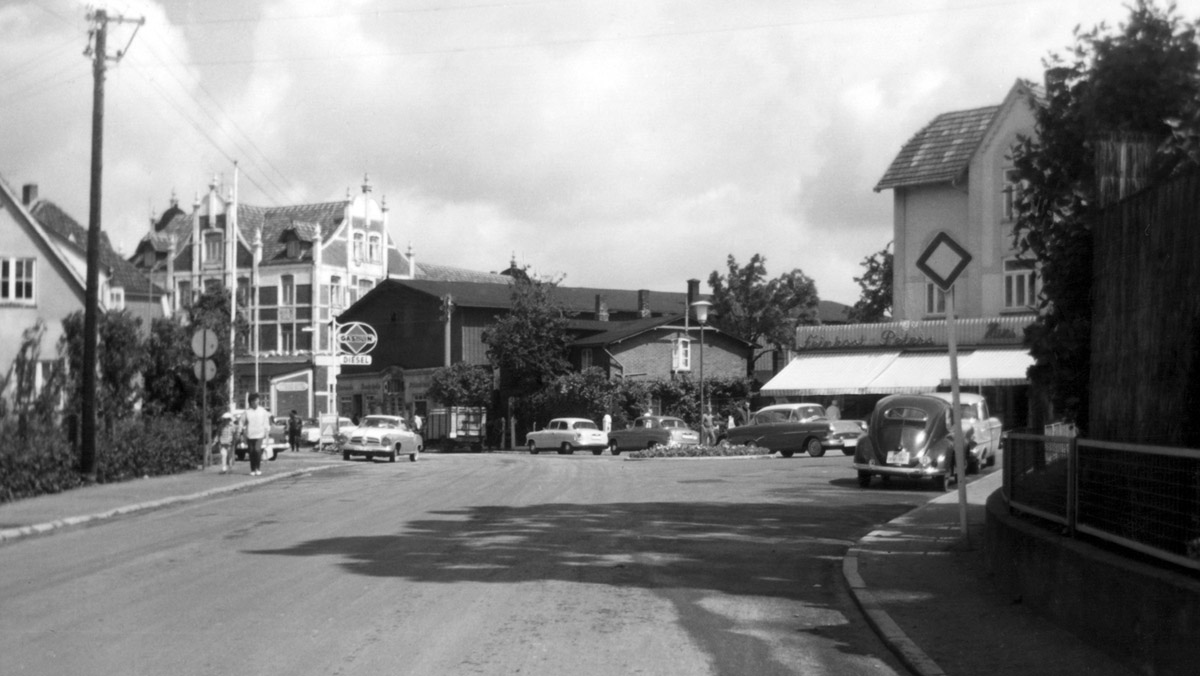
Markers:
<point>98,51</point>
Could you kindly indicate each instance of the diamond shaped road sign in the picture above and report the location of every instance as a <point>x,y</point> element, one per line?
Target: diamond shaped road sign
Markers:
<point>943,261</point>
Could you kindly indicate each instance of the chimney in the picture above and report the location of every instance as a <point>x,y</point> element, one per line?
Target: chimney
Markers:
<point>693,293</point>
<point>601,308</point>
<point>29,194</point>
<point>643,303</point>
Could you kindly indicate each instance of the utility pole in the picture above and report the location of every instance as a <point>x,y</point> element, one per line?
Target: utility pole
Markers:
<point>98,51</point>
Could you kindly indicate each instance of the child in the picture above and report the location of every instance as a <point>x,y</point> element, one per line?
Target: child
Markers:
<point>226,437</point>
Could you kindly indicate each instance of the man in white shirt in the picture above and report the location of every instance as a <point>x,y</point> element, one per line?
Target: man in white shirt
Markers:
<point>256,425</point>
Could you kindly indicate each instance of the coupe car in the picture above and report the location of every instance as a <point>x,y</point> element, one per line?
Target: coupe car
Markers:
<point>911,436</point>
<point>786,428</point>
<point>381,435</point>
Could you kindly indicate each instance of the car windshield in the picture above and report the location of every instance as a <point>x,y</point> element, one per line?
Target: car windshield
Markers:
<point>386,423</point>
<point>846,426</point>
<point>584,425</point>
<point>968,412</point>
<point>771,416</point>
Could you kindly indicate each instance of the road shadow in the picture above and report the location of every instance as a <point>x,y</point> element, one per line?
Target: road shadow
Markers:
<point>684,550</point>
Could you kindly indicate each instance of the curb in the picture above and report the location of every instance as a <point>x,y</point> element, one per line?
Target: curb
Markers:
<point>701,457</point>
<point>10,534</point>
<point>896,640</point>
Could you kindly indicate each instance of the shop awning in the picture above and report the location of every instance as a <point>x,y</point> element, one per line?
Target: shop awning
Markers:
<point>912,373</point>
<point>829,373</point>
<point>987,368</point>
<point>891,372</point>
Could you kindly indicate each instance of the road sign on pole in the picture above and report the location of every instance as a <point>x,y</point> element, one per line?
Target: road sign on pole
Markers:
<point>942,262</point>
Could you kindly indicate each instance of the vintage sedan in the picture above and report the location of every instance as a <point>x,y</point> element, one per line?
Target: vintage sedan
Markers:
<point>787,428</point>
<point>315,435</point>
<point>984,429</point>
<point>649,431</point>
<point>568,435</point>
<point>911,436</point>
<point>846,433</point>
<point>381,435</point>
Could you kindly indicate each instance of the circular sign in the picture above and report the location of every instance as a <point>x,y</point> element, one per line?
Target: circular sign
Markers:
<point>205,369</point>
<point>204,343</point>
<point>357,337</point>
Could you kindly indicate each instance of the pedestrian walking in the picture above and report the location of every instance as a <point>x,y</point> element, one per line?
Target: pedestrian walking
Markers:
<point>227,436</point>
<point>707,431</point>
<point>743,414</point>
<point>606,423</point>
<point>417,422</point>
<point>834,412</point>
<point>256,424</point>
<point>294,424</point>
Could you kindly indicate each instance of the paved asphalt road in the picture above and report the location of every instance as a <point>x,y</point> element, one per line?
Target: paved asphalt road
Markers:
<point>466,564</point>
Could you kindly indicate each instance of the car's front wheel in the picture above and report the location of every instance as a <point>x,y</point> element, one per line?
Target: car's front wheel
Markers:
<point>532,448</point>
<point>612,447</point>
<point>864,479</point>
<point>565,449</point>
<point>814,448</point>
<point>392,454</point>
<point>345,455</point>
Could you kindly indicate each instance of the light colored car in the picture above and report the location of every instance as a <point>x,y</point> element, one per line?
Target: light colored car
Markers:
<point>310,433</point>
<point>847,433</point>
<point>983,429</point>
<point>381,435</point>
<point>567,435</point>
<point>649,431</point>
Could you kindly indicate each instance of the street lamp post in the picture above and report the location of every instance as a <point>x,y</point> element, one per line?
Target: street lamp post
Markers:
<point>701,308</point>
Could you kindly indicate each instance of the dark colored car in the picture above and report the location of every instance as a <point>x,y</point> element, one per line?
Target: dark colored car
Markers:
<point>787,428</point>
<point>909,435</point>
<point>649,431</point>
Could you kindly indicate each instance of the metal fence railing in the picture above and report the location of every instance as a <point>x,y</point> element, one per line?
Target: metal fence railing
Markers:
<point>1146,498</point>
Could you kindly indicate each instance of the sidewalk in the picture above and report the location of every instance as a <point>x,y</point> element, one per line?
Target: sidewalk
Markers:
<point>927,593</point>
<point>46,513</point>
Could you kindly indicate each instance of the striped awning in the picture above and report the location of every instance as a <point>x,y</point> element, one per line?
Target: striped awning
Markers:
<point>829,373</point>
<point>891,372</point>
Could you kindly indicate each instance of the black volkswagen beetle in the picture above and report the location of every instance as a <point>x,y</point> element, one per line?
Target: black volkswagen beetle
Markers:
<point>909,435</point>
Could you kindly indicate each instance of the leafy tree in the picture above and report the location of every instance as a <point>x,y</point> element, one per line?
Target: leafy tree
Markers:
<point>461,384</point>
<point>1136,81</point>
<point>764,312</point>
<point>875,303</point>
<point>587,393</point>
<point>119,362</point>
<point>169,382</point>
<point>529,343</point>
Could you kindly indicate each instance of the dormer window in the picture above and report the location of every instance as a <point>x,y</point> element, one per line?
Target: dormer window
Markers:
<point>293,248</point>
<point>148,258</point>
<point>375,249</point>
<point>214,248</point>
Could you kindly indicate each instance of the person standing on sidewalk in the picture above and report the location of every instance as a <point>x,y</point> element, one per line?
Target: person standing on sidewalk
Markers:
<point>256,425</point>
<point>226,437</point>
<point>293,431</point>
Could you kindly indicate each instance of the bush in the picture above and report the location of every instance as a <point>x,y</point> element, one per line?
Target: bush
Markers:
<point>40,461</point>
<point>720,451</point>
<point>44,461</point>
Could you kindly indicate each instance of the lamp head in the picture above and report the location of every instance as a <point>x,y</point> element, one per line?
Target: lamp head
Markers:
<point>701,308</point>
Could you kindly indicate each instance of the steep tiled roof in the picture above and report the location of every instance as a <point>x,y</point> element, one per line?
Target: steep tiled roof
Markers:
<point>274,221</point>
<point>447,273</point>
<point>124,274</point>
<point>941,151</point>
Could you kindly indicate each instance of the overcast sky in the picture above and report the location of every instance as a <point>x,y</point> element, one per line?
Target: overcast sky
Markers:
<point>618,143</point>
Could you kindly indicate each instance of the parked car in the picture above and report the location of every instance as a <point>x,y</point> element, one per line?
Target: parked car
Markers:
<point>908,435</point>
<point>568,435</point>
<point>787,428</point>
<point>846,433</point>
<point>985,430</point>
<point>649,431</point>
<point>324,437</point>
<point>277,435</point>
<point>381,435</point>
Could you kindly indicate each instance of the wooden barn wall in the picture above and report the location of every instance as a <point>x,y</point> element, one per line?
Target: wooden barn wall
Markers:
<point>1145,371</point>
